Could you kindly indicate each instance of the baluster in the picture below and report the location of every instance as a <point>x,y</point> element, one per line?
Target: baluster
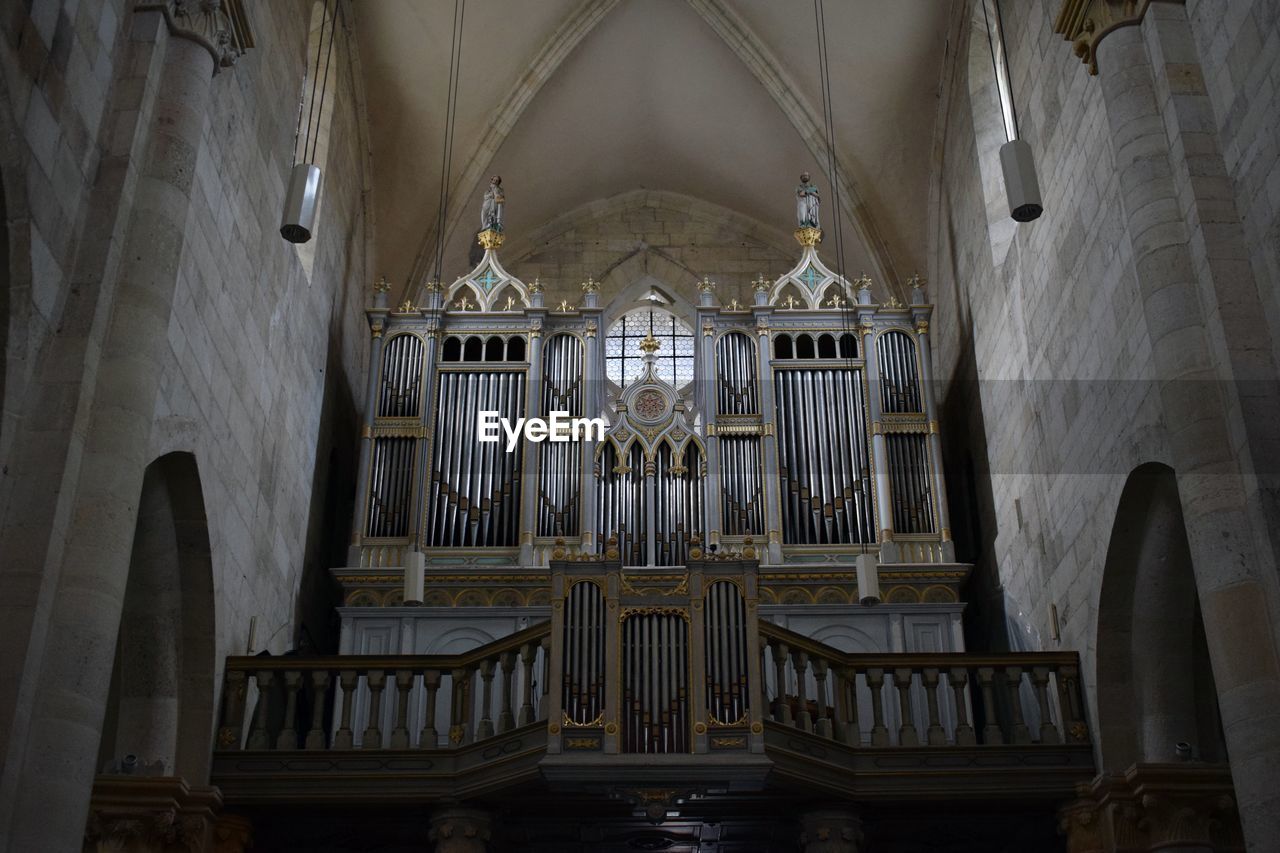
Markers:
<point>959,676</point>
<point>907,734</point>
<point>233,701</point>
<point>1069,702</point>
<point>288,737</point>
<point>846,699</point>
<point>879,731</point>
<point>400,730</point>
<point>822,725</point>
<point>804,720</point>
<point>782,708</point>
<point>1048,731</point>
<point>991,733</point>
<point>934,735</point>
<point>485,729</point>
<point>458,712</point>
<point>347,680</point>
<point>319,691</point>
<point>376,679</point>
<point>1013,675</point>
<point>507,719</point>
<point>527,655</point>
<point>258,726</point>
<point>429,738</point>
<point>546,678</point>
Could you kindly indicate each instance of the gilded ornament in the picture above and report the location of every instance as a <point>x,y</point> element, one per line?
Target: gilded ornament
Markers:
<point>700,728</point>
<point>706,285</point>
<point>590,285</point>
<point>650,344</point>
<point>490,239</point>
<point>808,236</point>
<point>592,328</point>
<point>535,286</point>
<point>382,285</point>
<point>760,284</point>
<point>791,303</point>
<point>922,327</point>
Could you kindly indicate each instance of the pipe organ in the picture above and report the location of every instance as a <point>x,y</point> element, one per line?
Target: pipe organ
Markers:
<point>809,426</point>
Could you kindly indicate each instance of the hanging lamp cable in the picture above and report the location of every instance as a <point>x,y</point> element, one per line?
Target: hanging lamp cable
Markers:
<point>324,81</point>
<point>446,155</point>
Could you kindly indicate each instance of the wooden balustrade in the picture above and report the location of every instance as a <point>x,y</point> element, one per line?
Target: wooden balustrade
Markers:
<point>395,702</point>
<point>932,699</point>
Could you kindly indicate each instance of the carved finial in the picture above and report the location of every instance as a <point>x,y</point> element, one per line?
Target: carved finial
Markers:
<point>706,285</point>
<point>565,307</point>
<point>734,305</point>
<point>650,344</point>
<point>535,286</point>
<point>590,285</point>
<point>835,301</point>
<point>760,284</point>
<point>790,302</point>
<point>510,303</point>
<point>406,306</point>
<point>864,282</point>
<point>434,286</point>
<point>894,302</point>
<point>464,304</point>
<point>382,285</point>
<point>916,280</point>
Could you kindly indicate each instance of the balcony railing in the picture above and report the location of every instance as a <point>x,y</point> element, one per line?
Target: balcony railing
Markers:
<point>641,675</point>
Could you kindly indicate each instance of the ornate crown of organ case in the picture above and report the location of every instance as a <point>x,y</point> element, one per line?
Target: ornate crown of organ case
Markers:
<point>799,432</point>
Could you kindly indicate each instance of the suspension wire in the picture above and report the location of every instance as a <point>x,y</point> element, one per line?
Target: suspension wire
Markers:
<point>1004,82</point>
<point>847,306</point>
<point>324,86</point>
<point>309,103</point>
<point>446,155</point>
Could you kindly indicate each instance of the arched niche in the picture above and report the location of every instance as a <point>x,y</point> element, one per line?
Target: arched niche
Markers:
<point>1155,684</point>
<point>163,692</point>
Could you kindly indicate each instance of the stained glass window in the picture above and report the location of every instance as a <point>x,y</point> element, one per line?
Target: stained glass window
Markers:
<point>673,362</point>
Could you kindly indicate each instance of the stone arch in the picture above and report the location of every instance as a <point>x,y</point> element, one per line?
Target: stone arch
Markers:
<point>163,688</point>
<point>1155,682</point>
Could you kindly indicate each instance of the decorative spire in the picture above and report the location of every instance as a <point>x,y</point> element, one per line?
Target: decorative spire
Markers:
<point>760,284</point>
<point>650,344</point>
<point>863,282</point>
<point>535,286</point>
<point>706,285</point>
<point>382,285</point>
<point>590,285</point>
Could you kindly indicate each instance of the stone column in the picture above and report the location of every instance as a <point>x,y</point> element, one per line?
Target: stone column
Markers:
<point>1153,808</point>
<point>1235,572</point>
<point>831,832</point>
<point>770,491</point>
<point>56,773</point>
<point>460,831</point>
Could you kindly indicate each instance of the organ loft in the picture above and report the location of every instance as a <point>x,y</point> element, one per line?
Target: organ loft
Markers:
<point>740,599</point>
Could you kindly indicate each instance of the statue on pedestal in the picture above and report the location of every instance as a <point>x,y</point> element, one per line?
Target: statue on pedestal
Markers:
<point>491,209</point>
<point>807,203</point>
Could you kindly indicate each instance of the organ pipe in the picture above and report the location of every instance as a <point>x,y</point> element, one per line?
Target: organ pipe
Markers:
<point>737,393</point>
<point>726,653</point>
<point>390,487</point>
<point>560,463</point>
<point>474,487</point>
<point>584,694</point>
<point>401,378</point>
<point>899,378</point>
<point>655,682</point>
<point>822,456</point>
<point>910,482</point>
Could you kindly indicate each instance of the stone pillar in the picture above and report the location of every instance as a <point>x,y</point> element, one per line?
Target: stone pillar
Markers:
<point>460,831</point>
<point>55,776</point>
<point>150,814</point>
<point>706,396</point>
<point>831,832</point>
<point>1235,571</point>
<point>1153,808</point>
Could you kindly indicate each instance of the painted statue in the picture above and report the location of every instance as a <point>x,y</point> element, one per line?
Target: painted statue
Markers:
<point>494,201</point>
<point>807,203</point>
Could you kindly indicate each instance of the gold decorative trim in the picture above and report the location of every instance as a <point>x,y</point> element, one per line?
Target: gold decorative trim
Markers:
<point>490,239</point>
<point>808,236</point>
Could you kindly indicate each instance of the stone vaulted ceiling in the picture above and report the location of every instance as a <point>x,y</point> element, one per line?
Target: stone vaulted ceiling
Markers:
<point>577,101</point>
